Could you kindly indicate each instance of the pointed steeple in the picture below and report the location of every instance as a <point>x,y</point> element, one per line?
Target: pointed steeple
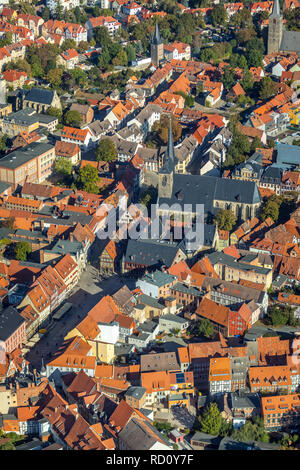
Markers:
<point>156,38</point>
<point>169,160</point>
<point>276,10</point>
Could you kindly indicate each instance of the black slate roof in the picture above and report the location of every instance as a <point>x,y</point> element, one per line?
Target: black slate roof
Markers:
<point>151,252</point>
<point>195,189</point>
<point>10,321</point>
<point>39,95</point>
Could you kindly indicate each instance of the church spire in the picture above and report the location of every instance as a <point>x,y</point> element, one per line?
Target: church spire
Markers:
<point>169,160</point>
<point>156,38</point>
<point>276,10</point>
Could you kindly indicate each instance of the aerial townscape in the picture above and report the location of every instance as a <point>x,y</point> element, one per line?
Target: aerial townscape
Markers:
<point>149,225</point>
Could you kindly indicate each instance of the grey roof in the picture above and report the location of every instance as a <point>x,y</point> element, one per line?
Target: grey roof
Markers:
<point>240,400</point>
<point>290,41</point>
<point>250,164</point>
<point>148,326</point>
<point>158,278</point>
<point>10,321</point>
<point>208,439</point>
<point>123,349</point>
<point>98,127</point>
<point>39,95</point>
<point>173,318</point>
<point>4,186</point>
<point>288,154</point>
<point>136,437</point>
<point>218,257</point>
<point>279,281</point>
<point>135,392</point>
<point>25,154</point>
<point>230,444</point>
<point>195,189</point>
<point>272,175</point>
<point>191,290</point>
<point>234,290</point>
<point>147,111</point>
<point>65,246</point>
<point>147,300</point>
<point>151,252</point>
<point>28,116</point>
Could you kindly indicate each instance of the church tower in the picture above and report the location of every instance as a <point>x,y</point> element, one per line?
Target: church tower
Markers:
<point>166,172</point>
<point>275,29</point>
<point>157,47</point>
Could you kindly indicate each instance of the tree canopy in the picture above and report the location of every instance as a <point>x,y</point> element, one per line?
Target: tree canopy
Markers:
<point>106,150</point>
<point>22,250</point>
<point>88,179</point>
<point>225,219</point>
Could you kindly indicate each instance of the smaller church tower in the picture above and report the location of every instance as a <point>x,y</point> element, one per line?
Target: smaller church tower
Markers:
<point>157,47</point>
<point>275,29</point>
<point>166,172</point>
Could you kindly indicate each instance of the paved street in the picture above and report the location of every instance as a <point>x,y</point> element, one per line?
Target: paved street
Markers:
<point>86,295</point>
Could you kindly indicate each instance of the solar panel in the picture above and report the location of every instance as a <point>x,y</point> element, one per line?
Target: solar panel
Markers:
<point>180,378</point>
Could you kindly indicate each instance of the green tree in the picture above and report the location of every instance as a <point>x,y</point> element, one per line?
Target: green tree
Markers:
<point>211,420</point>
<point>72,118</point>
<point>247,81</point>
<point>206,328</point>
<point>22,250</point>
<point>68,44</point>
<point>102,37</point>
<point>106,150</point>
<point>225,219</point>
<point>131,53</point>
<point>189,101</point>
<point>88,179</point>
<point>267,88</point>
<point>120,58</point>
<point>251,431</point>
<point>80,76</point>
<point>45,14</point>
<point>54,112</point>
<point>37,70</point>
<point>254,58</point>
<point>83,46</point>
<point>54,77</point>
<point>7,446</point>
<point>219,15</point>
<point>58,11</point>
<point>270,209</point>
<point>63,167</point>
<point>242,19</point>
<point>228,78</point>
<point>161,128</point>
